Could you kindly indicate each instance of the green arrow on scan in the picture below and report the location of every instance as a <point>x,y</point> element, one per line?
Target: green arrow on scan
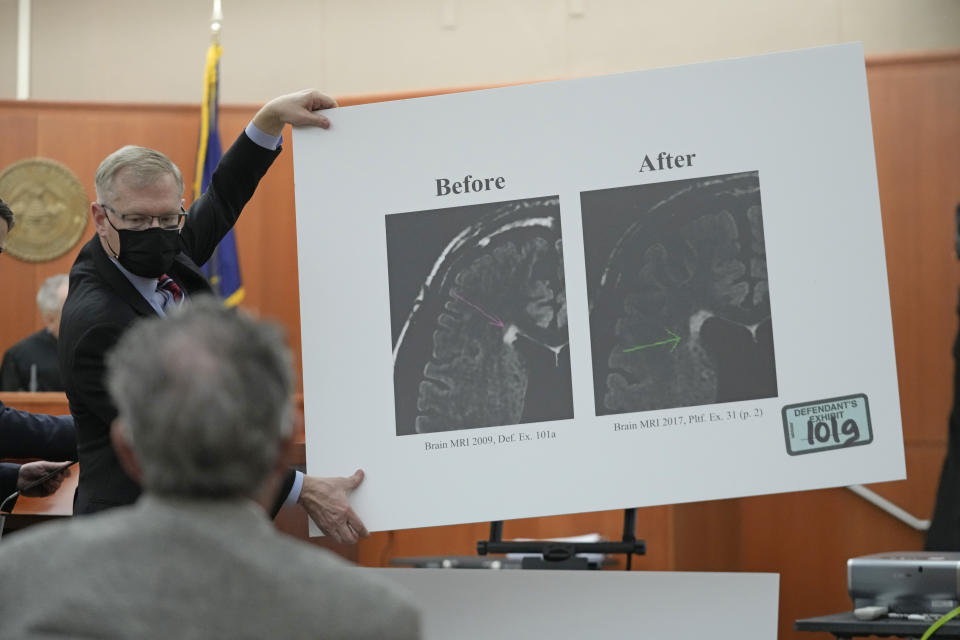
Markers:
<point>673,340</point>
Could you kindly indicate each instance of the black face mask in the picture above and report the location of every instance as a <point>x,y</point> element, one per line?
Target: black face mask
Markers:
<point>148,253</point>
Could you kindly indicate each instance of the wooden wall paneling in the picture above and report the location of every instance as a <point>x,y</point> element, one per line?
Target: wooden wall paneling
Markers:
<point>20,136</point>
<point>19,128</point>
<point>705,536</point>
<point>18,312</point>
<point>917,493</point>
<point>84,135</point>
<point>916,133</point>
<point>63,135</point>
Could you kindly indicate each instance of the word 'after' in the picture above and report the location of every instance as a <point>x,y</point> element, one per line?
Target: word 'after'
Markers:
<point>667,161</point>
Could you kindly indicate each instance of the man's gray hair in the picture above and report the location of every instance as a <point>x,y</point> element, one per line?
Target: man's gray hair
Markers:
<point>48,298</point>
<point>206,396</point>
<point>145,166</point>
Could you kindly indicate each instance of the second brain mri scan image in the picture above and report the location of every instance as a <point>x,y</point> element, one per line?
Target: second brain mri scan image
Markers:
<point>679,297</point>
<point>479,315</point>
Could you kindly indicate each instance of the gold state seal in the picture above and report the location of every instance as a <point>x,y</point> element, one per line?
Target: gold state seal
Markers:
<point>50,206</point>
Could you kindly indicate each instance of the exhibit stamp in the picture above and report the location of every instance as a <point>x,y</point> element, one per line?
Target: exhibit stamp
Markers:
<point>822,425</point>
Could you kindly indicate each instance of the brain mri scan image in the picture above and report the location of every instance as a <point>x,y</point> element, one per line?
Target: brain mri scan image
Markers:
<point>479,316</point>
<point>679,296</point>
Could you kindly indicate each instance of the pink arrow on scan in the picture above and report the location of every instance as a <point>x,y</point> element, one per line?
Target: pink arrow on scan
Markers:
<point>494,320</point>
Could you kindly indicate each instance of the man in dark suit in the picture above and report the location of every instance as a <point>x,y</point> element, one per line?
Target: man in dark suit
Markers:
<point>143,259</point>
<point>944,531</point>
<point>26,435</point>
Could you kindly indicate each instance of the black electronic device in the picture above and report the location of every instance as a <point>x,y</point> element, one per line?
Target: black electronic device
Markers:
<point>564,555</point>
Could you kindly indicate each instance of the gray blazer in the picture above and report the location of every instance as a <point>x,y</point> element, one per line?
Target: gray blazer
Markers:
<point>169,568</point>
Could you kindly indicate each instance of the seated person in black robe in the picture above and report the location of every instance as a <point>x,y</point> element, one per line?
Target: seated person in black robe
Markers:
<point>32,364</point>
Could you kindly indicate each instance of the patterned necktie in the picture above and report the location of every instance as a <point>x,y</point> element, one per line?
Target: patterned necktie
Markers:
<point>166,283</point>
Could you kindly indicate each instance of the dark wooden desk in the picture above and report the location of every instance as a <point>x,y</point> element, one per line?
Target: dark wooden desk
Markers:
<point>57,504</point>
<point>846,625</point>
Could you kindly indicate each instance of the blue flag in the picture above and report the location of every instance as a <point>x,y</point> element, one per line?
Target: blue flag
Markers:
<point>223,268</point>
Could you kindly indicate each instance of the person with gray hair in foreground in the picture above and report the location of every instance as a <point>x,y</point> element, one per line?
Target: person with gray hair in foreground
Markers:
<point>204,419</point>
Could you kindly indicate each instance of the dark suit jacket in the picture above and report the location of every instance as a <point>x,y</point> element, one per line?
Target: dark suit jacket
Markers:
<point>30,435</point>
<point>102,304</point>
<point>8,480</point>
<point>38,349</point>
<point>944,531</point>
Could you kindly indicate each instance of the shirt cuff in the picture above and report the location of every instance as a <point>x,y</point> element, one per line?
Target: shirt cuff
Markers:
<point>265,140</point>
<point>294,494</point>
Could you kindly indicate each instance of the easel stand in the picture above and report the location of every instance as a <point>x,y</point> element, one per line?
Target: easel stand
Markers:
<point>563,555</point>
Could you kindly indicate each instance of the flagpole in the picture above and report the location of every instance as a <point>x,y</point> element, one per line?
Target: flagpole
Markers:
<point>223,267</point>
<point>216,21</point>
<point>216,25</point>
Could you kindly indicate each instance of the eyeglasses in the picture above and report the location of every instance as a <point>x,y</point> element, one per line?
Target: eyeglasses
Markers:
<point>142,221</point>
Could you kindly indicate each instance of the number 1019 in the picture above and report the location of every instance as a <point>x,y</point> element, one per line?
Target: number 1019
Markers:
<point>823,432</point>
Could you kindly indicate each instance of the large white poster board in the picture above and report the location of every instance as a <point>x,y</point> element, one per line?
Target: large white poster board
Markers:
<point>638,289</point>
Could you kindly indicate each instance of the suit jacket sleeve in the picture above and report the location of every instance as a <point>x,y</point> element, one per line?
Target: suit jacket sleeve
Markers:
<point>283,492</point>
<point>89,368</point>
<point>8,479</point>
<point>30,435</point>
<point>233,183</point>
